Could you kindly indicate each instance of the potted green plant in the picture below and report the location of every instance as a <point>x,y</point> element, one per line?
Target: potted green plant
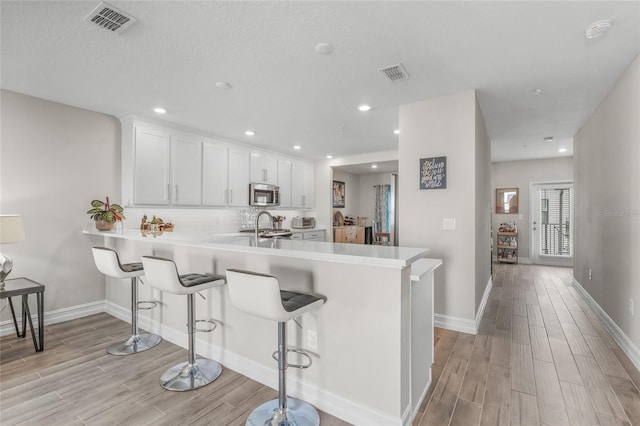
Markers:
<point>105,214</point>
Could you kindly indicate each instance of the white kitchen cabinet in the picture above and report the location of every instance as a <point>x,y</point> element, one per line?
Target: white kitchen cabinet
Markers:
<point>264,168</point>
<point>302,185</point>
<point>151,166</point>
<point>215,174</point>
<point>284,182</point>
<point>239,174</point>
<point>186,166</point>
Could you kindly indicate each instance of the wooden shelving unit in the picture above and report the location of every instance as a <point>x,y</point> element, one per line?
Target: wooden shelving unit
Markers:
<point>507,247</point>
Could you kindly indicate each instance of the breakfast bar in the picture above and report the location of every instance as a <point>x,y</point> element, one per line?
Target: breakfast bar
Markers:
<point>367,368</point>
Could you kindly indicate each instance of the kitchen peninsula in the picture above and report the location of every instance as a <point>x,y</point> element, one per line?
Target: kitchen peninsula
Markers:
<point>364,357</point>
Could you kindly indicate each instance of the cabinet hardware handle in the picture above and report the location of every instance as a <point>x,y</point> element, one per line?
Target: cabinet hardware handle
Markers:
<point>176,193</point>
<point>230,196</point>
<point>168,194</point>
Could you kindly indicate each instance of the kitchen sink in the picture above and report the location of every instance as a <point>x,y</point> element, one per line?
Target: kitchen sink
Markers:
<point>270,233</point>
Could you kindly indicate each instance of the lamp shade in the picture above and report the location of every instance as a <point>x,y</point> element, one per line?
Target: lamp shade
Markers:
<point>11,229</point>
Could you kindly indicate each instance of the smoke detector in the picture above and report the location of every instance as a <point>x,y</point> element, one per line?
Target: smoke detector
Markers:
<point>395,72</point>
<point>110,18</point>
<point>598,28</point>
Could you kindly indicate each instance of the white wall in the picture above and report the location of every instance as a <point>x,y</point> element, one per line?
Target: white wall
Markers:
<point>519,174</point>
<point>446,126</point>
<point>55,159</point>
<point>607,178</point>
<point>483,206</point>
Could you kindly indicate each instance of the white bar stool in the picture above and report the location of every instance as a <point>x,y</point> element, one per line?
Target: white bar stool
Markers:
<point>108,263</point>
<point>260,295</point>
<point>162,274</point>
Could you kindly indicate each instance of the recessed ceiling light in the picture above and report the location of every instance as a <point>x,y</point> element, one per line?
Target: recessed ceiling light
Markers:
<point>396,132</point>
<point>548,139</point>
<point>329,157</point>
<point>324,48</point>
<point>562,150</point>
<point>160,110</point>
<point>597,28</point>
<point>364,107</point>
<point>536,91</point>
<point>374,166</point>
<point>297,147</point>
<point>223,85</point>
<point>249,133</point>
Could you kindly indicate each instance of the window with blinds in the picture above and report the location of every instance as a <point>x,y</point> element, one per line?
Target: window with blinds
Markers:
<point>555,222</point>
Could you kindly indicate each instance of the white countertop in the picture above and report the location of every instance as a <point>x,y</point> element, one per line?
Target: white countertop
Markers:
<point>357,254</point>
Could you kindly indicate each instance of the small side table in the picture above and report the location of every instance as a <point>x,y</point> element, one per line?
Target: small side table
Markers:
<point>24,287</point>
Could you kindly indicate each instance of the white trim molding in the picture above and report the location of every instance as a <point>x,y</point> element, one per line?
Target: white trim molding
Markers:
<point>53,317</point>
<point>483,303</point>
<point>454,323</point>
<point>628,347</point>
<point>462,324</point>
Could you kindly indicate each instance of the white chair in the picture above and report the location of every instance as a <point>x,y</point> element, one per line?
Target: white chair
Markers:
<point>163,274</point>
<point>108,263</point>
<point>260,295</point>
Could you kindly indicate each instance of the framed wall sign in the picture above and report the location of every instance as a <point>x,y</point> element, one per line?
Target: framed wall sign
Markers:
<point>338,194</point>
<point>507,200</point>
<point>433,173</point>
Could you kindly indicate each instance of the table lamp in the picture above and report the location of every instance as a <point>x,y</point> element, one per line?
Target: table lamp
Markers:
<point>11,231</point>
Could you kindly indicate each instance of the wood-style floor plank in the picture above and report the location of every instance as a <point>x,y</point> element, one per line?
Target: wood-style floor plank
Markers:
<point>541,357</point>
<point>75,382</point>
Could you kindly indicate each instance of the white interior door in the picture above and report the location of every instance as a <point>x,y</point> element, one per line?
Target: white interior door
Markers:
<point>552,223</point>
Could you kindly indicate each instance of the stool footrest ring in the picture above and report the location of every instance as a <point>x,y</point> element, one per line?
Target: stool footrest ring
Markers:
<point>211,323</point>
<point>145,305</point>
<point>299,352</point>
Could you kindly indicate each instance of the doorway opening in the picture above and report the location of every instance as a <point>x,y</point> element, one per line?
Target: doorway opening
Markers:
<point>552,223</point>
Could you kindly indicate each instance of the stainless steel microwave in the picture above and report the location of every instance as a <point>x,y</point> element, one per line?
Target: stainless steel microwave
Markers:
<point>264,195</point>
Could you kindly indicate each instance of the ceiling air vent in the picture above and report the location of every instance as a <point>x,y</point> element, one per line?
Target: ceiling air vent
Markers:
<point>395,72</point>
<point>110,18</point>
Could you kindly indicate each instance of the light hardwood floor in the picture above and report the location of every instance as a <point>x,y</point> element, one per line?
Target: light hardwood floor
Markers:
<point>541,358</point>
<point>75,382</point>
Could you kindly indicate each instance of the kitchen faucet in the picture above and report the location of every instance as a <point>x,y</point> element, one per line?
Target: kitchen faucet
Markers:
<point>258,222</point>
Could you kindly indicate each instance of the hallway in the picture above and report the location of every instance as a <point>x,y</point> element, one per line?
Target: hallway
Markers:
<point>542,357</point>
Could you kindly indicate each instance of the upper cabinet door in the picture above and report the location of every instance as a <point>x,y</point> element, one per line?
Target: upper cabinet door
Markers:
<point>238,192</point>
<point>284,182</point>
<point>302,185</point>
<point>264,168</point>
<point>215,174</point>
<point>187,171</point>
<point>152,166</point>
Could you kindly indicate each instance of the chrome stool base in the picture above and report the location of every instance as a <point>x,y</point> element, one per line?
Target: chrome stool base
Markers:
<point>186,376</point>
<point>134,344</point>
<point>298,413</point>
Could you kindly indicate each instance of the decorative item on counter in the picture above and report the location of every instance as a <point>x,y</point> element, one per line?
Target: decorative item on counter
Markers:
<point>277,221</point>
<point>338,219</point>
<point>349,221</point>
<point>105,215</point>
<point>155,227</point>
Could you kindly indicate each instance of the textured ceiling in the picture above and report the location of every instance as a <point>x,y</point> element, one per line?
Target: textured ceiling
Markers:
<point>289,94</point>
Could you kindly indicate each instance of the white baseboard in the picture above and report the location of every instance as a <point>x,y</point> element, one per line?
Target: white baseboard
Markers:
<point>629,348</point>
<point>59,315</point>
<point>421,399</point>
<point>454,323</point>
<point>336,405</point>
<point>462,324</point>
<point>483,303</point>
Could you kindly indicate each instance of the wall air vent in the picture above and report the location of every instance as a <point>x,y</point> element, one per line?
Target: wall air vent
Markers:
<point>110,18</point>
<point>395,72</point>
